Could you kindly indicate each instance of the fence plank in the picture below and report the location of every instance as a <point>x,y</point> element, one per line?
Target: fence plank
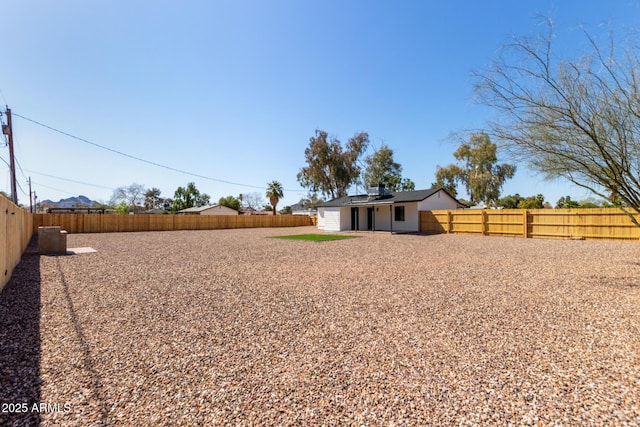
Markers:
<point>596,223</point>
<point>110,223</point>
<point>16,228</point>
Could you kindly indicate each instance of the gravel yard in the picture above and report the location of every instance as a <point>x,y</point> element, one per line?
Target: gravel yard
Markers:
<point>231,327</point>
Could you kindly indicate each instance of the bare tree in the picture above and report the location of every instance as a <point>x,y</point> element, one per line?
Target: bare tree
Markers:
<point>132,194</point>
<point>252,201</point>
<point>577,119</point>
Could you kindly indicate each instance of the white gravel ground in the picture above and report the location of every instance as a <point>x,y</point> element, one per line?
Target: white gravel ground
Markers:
<point>231,327</point>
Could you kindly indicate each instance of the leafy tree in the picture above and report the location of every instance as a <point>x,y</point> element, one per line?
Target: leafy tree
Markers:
<point>182,199</point>
<point>407,185</point>
<point>510,201</point>
<point>332,169</point>
<point>167,204</point>
<point>230,202</point>
<point>133,195</point>
<point>578,119</point>
<point>286,210</point>
<point>274,194</point>
<point>590,203</point>
<point>481,176</point>
<point>533,202</point>
<point>189,197</point>
<point>382,169</point>
<point>566,202</point>
<point>122,208</point>
<point>152,199</point>
<point>310,202</point>
<point>447,178</point>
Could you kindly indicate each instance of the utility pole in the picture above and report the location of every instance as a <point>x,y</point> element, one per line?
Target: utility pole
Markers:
<point>8,130</point>
<point>30,197</point>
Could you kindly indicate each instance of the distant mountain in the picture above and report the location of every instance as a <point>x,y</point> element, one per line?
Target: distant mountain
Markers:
<point>71,202</point>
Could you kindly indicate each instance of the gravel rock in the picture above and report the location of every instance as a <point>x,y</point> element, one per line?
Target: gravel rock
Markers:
<point>231,327</point>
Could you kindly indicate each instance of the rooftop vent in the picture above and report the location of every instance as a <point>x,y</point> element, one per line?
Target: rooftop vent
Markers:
<point>378,190</point>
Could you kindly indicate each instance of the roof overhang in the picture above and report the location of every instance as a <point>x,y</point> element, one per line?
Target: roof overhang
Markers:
<point>414,196</point>
<point>371,203</point>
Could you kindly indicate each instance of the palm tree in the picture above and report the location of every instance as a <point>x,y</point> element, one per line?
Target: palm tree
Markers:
<point>274,193</point>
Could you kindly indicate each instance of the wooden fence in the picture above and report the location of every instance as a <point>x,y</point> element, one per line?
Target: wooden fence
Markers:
<point>16,228</point>
<point>109,223</point>
<point>602,223</point>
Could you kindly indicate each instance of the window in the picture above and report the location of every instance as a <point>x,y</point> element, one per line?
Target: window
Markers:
<point>399,213</point>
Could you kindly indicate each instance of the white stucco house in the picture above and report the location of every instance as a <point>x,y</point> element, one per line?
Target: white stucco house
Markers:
<point>380,210</point>
<point>208,210</point>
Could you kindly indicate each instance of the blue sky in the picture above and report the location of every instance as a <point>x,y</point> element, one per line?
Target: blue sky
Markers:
<point>233,90</point>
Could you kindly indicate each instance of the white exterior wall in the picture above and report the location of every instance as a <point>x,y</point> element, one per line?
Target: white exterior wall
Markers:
<point>329,219</point>
<point>383,217</point>
<point>345,219</point>
<point>440,200</point>
<point>411,220</point>
<point>384,213</point>
<point>321,218</point>
<point>363,223</point>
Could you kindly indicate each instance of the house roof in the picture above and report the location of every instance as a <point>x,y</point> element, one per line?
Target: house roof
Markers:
<point>391,198</point>
<point>197,209</point>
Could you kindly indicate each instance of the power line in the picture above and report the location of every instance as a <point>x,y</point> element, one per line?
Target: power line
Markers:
<point>21,189</point>
<point>70,180</point>
<point>56,177</point>
<point>9,166</point>
<point>143,160</point>
<point>22,172</point>
<point>20,167</point>
<point>52,188</point>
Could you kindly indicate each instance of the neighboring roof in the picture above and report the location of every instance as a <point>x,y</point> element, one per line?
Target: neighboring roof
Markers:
<point>255,212</point>
<point>391,198</point>
<point>197,209</point>
<point>304,212</point>
<point>155,211</point>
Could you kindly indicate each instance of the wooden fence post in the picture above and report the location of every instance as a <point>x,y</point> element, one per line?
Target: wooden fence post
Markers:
<point>525,223</point>
<point>484,223</point>
<point>449,220</point>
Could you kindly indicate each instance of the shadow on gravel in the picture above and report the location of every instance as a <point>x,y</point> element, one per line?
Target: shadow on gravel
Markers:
<point>89,365</point>
<point>20,342</point>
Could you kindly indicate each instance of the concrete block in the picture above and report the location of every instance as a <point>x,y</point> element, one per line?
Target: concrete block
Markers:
<point>52,241</point>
